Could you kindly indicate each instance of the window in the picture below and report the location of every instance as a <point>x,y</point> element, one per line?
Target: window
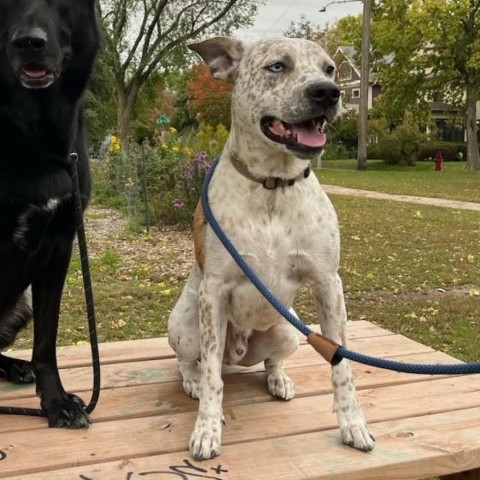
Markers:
<point>356,93</point>
<point>344,71</point>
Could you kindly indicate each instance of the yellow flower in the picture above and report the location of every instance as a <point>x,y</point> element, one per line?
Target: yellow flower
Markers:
<point>164,146</point>
<point>115,144</point>
<point>173,130</point>
<point>175,149</point>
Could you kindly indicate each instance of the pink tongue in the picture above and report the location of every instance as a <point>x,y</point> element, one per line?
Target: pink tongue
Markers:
<point>310,137</point>
<point>34,73</point>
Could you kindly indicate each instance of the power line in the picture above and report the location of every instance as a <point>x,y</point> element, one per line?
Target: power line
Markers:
<point>283,13</point>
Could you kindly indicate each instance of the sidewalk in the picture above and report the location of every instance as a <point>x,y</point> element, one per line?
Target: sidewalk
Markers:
<point>436,202</point>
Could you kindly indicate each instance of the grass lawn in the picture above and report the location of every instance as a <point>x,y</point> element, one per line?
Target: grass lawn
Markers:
<point>454,182</point>
<point>412,269</point>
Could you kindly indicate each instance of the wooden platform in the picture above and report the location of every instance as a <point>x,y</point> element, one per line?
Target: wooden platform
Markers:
<point>424,426</point>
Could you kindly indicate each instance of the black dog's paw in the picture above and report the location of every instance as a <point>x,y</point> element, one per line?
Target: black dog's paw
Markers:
<point>67,411</point>
<point>17,371</point>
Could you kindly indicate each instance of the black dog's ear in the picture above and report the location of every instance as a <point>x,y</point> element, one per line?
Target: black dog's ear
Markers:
<point>221,54</point>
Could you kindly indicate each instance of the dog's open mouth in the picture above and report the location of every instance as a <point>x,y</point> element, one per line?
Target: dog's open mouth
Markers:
<point>306,137</point>
<point>36,77</point>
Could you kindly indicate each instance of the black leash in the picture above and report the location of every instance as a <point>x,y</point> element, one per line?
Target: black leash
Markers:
<point>87,285</point>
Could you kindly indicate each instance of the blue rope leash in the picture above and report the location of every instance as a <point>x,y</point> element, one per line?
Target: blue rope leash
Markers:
<point>320,343</point>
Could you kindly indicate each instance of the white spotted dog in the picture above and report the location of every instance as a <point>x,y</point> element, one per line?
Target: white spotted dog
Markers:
<point>274,211</point>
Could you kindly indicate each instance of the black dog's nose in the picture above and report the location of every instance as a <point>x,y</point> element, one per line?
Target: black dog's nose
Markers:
<point>324,93</point>
<point>32,40</point>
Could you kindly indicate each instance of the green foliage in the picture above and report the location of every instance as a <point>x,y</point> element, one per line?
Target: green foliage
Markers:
<point>337,151</point>
<point>438,50</point>
<point>158,182</point>
<point>183,117</point>
<point>449,150</point>
<point>144,36</point>
<point>345,31</point>
<point>344,132</point>
<point>144,115</point>
<point>399,145</point>
<point>100,101</point>
<point>210,139</point>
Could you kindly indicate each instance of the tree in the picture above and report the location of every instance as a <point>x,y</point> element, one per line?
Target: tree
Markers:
<point>209,98</point>
<point>345,31</point>
<point>147,35</point>
<point>438,50</point>
<point>100,102</point>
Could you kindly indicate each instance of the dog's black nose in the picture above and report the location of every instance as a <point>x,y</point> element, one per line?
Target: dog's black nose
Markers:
<point>33,40</point>
<point>324,93</point>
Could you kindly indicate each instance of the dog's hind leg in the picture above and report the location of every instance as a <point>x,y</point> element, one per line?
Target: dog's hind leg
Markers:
<point>12,320</point>
<point>184,333</point>
<point>272,347</point>
<point>333,322</point>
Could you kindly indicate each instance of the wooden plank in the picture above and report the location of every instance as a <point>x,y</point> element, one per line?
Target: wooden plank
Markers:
<point>158,348</point>
<point>244,423</point>
<point>152,371</point>
<point>406,450</point>
<point>168,397</point>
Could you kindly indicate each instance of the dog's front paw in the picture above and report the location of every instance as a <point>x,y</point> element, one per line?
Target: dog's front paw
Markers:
<point>205,442</point>
<point>68,411</point>
<point>356,434</point>
<point>280,384</point>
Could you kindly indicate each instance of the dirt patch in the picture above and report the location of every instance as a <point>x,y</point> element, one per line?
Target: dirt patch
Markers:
<point>165,251</point>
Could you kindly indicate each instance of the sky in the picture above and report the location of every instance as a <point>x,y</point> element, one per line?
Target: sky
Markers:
<point>275,16</point>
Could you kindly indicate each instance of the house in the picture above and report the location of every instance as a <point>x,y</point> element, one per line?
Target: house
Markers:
<point>348,79</point>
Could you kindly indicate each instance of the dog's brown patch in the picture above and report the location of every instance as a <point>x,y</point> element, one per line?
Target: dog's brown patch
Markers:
<point>199,232</point>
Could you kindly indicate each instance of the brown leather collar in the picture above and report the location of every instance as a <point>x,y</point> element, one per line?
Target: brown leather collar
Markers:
<point>270,183</point>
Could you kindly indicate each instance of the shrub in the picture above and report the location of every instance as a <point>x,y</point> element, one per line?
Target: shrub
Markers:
<point>157,183</point>
<point>210,139</point>
<point>345,131</point>
<point>401,145</point>
<point>338,151</point>
<point>449,150</point>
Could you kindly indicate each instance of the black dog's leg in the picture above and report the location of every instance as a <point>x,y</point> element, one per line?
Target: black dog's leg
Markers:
<point>62,409</point>
<point>12,320</point>
<point>15,370</point>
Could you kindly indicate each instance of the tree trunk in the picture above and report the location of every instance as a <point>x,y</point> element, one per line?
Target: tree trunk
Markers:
<point>126,104</point>
<point>473,157</point>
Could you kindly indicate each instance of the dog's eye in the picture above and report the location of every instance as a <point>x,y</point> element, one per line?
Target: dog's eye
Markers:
<point>276,67</point>
<point>330,70</point>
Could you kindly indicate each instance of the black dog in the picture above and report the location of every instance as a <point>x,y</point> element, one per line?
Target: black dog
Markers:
<point>47,49</point>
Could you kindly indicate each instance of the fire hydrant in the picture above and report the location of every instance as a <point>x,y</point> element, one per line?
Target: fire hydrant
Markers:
<point>438,159</point>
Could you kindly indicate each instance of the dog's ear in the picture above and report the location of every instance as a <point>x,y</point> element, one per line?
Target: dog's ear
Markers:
<point>221,54</point>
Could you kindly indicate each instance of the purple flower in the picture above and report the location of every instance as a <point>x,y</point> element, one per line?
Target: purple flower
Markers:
<point>177,203</point>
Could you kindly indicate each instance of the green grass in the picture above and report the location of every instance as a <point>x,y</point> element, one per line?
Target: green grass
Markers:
<point>412,269</point>
<point>454,182</point>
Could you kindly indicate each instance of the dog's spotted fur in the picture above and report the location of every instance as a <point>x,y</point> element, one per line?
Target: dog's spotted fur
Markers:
<point>289,236</point>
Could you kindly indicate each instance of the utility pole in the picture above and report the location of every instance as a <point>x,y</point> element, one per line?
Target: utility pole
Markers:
<point>364,86</point>
<point>364,80</point>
